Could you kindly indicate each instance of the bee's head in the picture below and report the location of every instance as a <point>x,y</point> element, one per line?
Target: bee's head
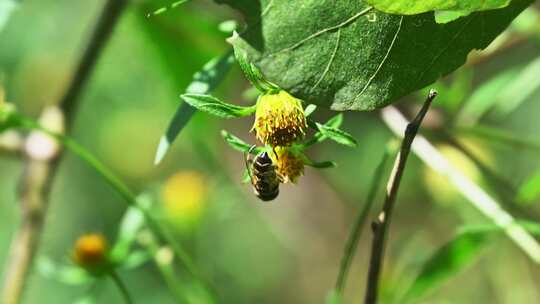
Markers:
<point>265,158</point>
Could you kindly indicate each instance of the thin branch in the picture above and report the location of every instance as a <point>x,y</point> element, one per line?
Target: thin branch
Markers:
<point>122,288</point>
<point>478,198</point>
<point>380,226</point>
<point>39,172</point>
<point>356,230</point>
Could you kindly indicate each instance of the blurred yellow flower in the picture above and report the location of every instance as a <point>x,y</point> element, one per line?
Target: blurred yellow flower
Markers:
<point>183,196</point>
<point>90,252</point>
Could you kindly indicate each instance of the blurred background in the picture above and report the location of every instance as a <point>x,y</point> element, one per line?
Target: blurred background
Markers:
<point>485,122</point>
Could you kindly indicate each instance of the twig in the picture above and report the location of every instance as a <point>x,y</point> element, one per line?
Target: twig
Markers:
<point>356,230</point>
<point>481,200</point>
<point>380,226</point>
<point>35,183</point>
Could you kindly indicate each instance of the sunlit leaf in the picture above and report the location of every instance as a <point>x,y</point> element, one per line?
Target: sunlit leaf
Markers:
<point>447,261</point>
<point>7,7</point>
<point>135,259</point>
<point>203,82</point>
<point>407,7</point>
<point>457,254</point>
<point>530,189</point>
<point>337,135</point>
<point>214,106</point>
<point>333,298</point>
<point>235,142</point>
<point>310,109</point>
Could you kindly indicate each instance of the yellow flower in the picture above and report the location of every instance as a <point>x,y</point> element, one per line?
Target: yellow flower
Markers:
<point>184,198</point>
<point>289,164</point>
<point>279,119</point>
<point>91,253</point>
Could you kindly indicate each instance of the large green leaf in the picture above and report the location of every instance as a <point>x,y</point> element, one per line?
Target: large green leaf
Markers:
<point>456,255</point>
<point>407,7</point>
<point>343,55</point>
<point>447,261</point>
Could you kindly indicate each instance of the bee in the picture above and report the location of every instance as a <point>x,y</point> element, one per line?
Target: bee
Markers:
<point>263,176</point>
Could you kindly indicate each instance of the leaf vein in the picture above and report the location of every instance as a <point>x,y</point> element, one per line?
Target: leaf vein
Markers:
<point>383,61</point>
<point>328,29</point>
<point>450,42</point>
<point>330,61</point>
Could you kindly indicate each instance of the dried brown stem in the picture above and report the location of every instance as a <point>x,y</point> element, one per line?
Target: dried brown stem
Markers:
<point>40,169</point>
<point>381,224</point>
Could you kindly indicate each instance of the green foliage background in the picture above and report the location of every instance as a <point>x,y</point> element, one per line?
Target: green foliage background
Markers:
<point>287,251</point>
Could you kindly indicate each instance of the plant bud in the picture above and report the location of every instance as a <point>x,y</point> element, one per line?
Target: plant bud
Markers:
<point>91,253</point>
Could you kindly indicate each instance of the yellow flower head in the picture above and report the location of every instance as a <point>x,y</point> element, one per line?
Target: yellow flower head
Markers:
<point>184,197</point>
<point>279,119</point>
<point>289,164</point>
<point>90,252</point>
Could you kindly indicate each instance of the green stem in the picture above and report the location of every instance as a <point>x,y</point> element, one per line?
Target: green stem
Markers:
<point>167,272</point>
<point>122,287</point>
<point>356,231</point>
<point>122,189</point>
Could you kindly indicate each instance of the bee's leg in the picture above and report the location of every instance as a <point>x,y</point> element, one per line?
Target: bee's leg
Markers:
<point>247,160</point>
<point>281,178</point>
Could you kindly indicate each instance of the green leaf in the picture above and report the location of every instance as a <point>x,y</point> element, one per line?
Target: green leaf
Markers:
<point>235,142</point>
<point>485,97</point>
<point>447,261</point>
<point>66,274</point>
<point>320,165</point>
<point>8,116</point>
<point>203,82</point>
<point>337,135</point>
<point>334,298</point>
<point>252,73</point>
<point>343,55</point>
<point>214,106</point>
<point>457,254</point>
<point>519,89</point>
<point>530,189</point>
<point>135,259</point>
<point>163,9</point>
<point>407,7</point>
<point>335,122</point>
<point>310,109</point>
<point>7,7</point>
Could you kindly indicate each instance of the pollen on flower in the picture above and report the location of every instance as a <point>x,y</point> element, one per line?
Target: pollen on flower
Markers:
<point>90,252</point>
<point>279,119</point>
<point>289,164</point>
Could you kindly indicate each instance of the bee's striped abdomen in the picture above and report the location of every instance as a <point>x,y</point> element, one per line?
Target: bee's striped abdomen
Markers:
<point>264,177</point>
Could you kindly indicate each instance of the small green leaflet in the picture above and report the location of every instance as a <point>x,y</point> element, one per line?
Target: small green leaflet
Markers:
<point>310,109</point>
<point>408,7</point>
<point>530,190</point>
<point>337,135</point>
<point>203,82</point>
<point>235,142</point>
<point>214,106</point>
<point>319,165</point>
